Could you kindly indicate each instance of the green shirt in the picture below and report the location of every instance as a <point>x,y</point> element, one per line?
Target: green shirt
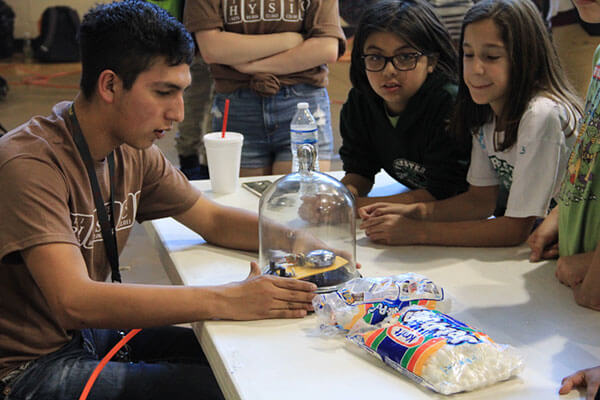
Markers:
<point>579,212</point>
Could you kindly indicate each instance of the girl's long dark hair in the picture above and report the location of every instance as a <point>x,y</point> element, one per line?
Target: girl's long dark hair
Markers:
<point>416,23</point>
<point>534,69</point>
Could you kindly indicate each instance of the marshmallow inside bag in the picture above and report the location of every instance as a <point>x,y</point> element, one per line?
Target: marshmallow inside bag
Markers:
<point>365,302</point>
<point>439,351</point>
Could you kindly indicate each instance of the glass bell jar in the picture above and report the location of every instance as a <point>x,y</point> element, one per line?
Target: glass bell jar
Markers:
<point>307,227</point>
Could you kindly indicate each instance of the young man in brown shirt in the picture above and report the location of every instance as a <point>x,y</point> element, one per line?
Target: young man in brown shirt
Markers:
<point>57,247</point>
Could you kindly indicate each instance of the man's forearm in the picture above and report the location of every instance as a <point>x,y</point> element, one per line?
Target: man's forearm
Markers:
<point>237,229</point>
<point>126,306</point>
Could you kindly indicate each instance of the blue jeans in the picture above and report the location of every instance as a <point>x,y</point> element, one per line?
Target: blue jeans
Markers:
<point>265,122</point>
<point>167,363</point>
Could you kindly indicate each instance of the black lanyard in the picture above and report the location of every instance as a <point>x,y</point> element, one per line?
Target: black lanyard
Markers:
<point>109,233</point>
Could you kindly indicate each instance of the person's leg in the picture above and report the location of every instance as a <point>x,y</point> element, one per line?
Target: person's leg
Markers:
<point>246,116</point>
<point>166,362</point>
<point>188,140</point>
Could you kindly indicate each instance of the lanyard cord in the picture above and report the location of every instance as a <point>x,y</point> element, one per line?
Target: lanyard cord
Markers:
<point>107,227</point>
<point>109,236</point>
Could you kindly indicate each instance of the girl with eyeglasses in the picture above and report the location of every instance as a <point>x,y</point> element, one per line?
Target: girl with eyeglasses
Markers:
<point>518,108</point>
<point>403,72</point>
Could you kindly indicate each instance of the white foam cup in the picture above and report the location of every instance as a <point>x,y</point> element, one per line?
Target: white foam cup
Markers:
<point>224,156</point>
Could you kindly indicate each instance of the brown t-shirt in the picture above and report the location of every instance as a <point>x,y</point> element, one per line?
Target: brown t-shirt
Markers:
<point>311,18</point>
<point>47,198</point>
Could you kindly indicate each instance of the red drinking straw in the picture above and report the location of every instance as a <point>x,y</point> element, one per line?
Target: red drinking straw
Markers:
<point>225,119</point>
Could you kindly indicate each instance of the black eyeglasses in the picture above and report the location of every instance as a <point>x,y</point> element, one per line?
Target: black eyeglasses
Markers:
<point>402,62</point>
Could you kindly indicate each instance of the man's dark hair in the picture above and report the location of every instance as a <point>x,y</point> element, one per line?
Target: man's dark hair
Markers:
<point>127,37</point>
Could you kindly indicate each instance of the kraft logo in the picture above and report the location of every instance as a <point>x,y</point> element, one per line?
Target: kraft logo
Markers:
<point>405,336</point>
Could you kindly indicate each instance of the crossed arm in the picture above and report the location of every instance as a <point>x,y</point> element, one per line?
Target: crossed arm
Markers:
<point>78,301</point>
<point>276,53</point>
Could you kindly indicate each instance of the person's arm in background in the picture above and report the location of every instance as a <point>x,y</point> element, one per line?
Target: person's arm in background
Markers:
<point>228,48</point>
<point>311,53</point>
<point>205,19</point>
<point>323,44</point>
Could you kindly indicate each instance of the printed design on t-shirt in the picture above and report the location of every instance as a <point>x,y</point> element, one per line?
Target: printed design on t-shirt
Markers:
<point>409,173</point>
<point>87,228</point>
<point>481,139</point>
<point>248,11</point>
<point>581,165</point>
<point>504,171</point>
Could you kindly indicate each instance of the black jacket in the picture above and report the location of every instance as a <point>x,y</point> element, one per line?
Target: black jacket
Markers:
<point>418,152</point>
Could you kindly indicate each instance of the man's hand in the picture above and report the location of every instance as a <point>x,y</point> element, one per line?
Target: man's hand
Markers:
<point>266,296</point>
<point>589,378</point>
<point>570,270</point>
<point>544,240</point>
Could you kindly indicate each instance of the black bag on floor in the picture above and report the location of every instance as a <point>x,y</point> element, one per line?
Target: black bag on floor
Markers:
<point>58,39</point>
<point>7,24</point>
<point>3,88</point>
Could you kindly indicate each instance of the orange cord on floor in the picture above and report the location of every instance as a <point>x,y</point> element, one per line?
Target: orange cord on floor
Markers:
<point>104,361</point>
<point>36,79</point>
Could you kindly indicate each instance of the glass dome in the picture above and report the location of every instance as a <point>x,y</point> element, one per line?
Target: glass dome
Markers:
<point>307,227</point>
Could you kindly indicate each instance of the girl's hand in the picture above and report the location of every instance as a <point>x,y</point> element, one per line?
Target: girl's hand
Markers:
<point>391,229</point>
<point>544,240</point>
<point>324,209</point>
<point>587,296</point>
<point>570,270</point>
<point>378,209</point>
<point>589,378</point>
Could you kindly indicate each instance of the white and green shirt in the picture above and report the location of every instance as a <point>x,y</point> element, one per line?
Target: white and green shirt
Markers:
<point>532,169</point>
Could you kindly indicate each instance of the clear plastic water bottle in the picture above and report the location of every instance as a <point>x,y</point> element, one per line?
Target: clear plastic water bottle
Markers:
<point>27,48</point>
<point>303,129</point>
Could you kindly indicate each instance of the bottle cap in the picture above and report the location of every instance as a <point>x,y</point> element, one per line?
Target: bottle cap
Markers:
<point>302,105</point>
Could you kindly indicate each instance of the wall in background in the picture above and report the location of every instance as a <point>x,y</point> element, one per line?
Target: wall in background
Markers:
<point>29,12</point>
<point>565,5</point>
